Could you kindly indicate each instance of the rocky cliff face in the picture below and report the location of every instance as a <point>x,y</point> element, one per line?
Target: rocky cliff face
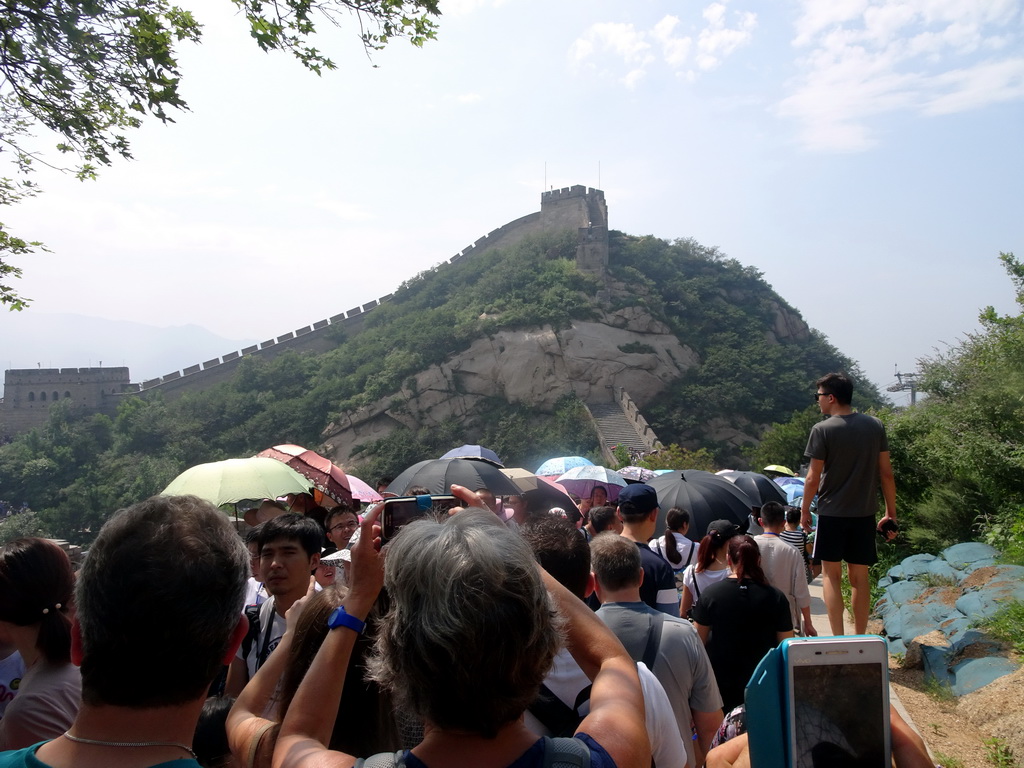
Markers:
<point>627,348</point>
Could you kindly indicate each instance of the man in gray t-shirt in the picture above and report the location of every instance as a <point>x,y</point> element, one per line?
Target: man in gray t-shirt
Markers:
<point>680,664</point>
<point>849,461</point>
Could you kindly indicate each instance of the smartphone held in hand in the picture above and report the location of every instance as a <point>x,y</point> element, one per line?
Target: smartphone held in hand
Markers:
<point>837,702</point>
<point>403,510</point>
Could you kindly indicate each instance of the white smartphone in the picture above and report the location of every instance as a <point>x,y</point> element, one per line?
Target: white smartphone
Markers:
<point>837,697</point>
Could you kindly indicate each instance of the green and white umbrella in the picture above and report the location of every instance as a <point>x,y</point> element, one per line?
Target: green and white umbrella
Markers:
<point>232,480</point>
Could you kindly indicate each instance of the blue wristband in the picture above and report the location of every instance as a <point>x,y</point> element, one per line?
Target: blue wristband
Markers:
<point>339,618</point>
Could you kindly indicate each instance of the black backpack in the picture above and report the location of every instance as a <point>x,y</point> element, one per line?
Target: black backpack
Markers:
<point>560,719</point>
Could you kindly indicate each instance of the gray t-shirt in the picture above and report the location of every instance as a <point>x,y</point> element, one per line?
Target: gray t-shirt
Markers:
<point>46,705</point>
<point>849,446</point>
<point>681,666</point>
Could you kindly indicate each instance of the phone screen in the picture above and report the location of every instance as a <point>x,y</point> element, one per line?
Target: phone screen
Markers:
<point>839,715</point>
<point>399,512</point>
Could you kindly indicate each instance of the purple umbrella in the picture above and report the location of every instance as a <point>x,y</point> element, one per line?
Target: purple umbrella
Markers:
<point>476,452</point>
<point>581,481</point>
<point>637,474</point>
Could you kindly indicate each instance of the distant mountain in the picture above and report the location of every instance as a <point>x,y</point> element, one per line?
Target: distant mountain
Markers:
<point>32,339</point>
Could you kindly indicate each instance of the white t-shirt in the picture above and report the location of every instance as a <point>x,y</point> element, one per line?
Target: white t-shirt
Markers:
<point>703,579</point>
<point>272,627</point>
<point>685,547</point>
<point>255,593</point>
<point>566,680</point>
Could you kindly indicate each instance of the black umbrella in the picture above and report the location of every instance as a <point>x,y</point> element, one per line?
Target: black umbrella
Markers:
<point>758,487</point>
<point>437,476</point>
<point>707,497</point>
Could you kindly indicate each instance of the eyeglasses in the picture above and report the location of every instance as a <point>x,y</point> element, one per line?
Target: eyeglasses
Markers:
<point>819,395</point>
<point>344,527</point>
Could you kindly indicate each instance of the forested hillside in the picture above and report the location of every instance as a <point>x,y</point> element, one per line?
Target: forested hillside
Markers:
<point>79,469</point>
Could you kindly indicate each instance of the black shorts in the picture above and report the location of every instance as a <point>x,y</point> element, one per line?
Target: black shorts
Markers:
<point>845,538</point>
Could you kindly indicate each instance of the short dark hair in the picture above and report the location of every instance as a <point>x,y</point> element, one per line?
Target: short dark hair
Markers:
<point>601,518</point>
<point>561,550</point>
<point>338,511</point>
<point>793,515</point>
<point>161,590</point>
<point>631,513</point>
<point>773,513</point>
<point>838,385</point>
<point>294,527</point>
<point>252,536</point>
<point>36,586</point>
<point>615,560</point>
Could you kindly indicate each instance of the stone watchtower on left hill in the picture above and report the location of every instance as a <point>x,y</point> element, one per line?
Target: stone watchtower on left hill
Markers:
<point>30,393</point>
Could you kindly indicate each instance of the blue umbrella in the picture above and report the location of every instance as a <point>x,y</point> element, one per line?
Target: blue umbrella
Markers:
<point>477,452</point>
<point>562,464</point>
<point>793,487</point>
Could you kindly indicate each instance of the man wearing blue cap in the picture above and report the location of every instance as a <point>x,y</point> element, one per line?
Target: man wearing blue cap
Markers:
<point>638,509</point>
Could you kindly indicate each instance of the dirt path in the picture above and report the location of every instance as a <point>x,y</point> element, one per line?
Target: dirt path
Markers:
<point>954,730</point>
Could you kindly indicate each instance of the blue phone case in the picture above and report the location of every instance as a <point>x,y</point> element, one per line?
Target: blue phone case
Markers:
<point>766,697</point>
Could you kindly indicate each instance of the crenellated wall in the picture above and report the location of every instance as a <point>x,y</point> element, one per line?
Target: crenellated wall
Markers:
<point>575,208</point>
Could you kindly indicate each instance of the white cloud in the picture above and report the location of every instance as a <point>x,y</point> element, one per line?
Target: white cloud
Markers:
<point>468,98</point>
<point>717,40</point>
<point>868,57</point>
<point>609,45</point>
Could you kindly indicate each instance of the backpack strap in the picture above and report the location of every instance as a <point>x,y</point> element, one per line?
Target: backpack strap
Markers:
<point>565,753</point>
<point>553,713</point>
<point>653,640</point>
<point>689,557</point>
<point>252,613</point>
<point>382,760</point>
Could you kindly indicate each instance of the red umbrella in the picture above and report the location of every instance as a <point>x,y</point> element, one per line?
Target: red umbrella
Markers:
<point>325,476</point>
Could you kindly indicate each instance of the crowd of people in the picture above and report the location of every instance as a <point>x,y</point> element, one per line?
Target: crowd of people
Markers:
<point>529,638</point>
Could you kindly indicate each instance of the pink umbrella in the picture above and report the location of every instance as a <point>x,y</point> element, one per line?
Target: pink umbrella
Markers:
<point>361,491</point>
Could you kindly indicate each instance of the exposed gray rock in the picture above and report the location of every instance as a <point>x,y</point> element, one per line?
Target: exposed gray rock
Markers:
<point>536,366</point>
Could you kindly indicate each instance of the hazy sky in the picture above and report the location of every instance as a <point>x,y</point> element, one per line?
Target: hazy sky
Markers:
<point>865,155</point>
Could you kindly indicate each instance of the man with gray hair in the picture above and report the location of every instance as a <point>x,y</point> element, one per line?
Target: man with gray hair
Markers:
<point>159,612</point>
<point>668,645</point>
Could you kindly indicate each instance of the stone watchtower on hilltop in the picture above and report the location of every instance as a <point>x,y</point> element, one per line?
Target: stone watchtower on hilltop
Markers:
<point>585,211</point>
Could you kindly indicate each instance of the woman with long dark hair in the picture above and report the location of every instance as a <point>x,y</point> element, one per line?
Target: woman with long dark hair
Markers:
<point>674,547</point>
<point>711,566</point>
<point>740,619</point>
<point>36,585</point>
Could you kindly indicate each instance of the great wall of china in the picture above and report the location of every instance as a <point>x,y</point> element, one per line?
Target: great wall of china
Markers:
<point>29,393</point>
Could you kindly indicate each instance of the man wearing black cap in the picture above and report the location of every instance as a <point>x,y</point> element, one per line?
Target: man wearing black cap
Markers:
<point>638,509</point>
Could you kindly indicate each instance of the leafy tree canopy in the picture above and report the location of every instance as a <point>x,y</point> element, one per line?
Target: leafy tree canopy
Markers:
<point>91,70</point>
<point>959,454</point>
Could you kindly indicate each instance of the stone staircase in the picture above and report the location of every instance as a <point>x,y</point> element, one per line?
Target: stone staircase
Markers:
<point>615,428</point>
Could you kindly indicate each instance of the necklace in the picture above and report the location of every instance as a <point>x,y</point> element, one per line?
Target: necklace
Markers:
<point>100,743</point>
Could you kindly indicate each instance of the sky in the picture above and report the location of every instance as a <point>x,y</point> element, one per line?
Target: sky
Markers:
<point>864,155</point>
